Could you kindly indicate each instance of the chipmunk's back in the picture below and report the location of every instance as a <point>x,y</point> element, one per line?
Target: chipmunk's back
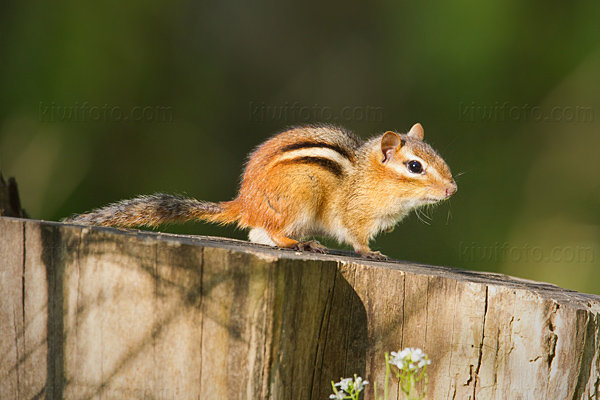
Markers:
<point>291,176</point>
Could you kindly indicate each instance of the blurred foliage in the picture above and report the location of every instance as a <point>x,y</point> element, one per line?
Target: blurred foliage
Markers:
<point>529,180</point>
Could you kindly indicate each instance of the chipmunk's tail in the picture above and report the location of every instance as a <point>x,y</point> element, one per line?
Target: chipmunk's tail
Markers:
<point>158,209</point>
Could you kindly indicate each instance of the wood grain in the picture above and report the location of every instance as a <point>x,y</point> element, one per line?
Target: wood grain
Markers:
<point>100,313</point>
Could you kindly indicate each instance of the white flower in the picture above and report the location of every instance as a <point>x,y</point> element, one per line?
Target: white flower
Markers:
<point>339,395</point>
<point>423,362</point>
<point>349,387</point>
<point>406,352</point>
<point>359,384</point>
<point>397,359</point>
<point>409,359</point>
<point>416,353</point>
<point>344,384</point>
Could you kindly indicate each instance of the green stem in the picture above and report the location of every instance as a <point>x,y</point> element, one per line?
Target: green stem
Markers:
<point>387,376</point>
<point>422,373</point>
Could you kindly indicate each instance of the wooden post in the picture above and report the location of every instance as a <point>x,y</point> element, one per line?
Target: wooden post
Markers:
<point>100,313</point>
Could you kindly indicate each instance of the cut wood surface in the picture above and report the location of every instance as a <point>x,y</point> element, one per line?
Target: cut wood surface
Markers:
<point>100,313</point>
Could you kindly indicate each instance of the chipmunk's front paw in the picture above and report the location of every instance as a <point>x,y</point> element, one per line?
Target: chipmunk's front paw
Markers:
<point>312,246</point>
<point>374,255</point>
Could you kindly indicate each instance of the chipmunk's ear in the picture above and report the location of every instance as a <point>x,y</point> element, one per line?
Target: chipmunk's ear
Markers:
<point>416,132</point>
<point>390,141</point>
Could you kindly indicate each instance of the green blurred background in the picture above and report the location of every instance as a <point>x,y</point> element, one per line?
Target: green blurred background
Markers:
<point>104,101</point>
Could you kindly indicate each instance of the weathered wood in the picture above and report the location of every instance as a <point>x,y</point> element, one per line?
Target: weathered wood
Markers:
<point>91,313</point>
<point>10,202</point>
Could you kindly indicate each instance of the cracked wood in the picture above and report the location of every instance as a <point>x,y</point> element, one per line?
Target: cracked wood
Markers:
<point>92,313</point>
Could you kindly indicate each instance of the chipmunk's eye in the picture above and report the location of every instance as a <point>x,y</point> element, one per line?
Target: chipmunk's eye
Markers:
<point>414,166</point>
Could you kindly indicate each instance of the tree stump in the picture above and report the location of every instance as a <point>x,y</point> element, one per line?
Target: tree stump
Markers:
<point>101,313</point>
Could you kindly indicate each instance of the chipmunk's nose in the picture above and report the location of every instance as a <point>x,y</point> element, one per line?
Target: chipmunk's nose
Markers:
<point>451,189</point>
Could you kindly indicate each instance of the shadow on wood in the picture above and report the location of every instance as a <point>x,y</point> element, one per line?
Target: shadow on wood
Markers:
<point>103,313</point>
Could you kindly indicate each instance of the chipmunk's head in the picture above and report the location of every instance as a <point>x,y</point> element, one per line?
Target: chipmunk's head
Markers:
<point>423,176</point>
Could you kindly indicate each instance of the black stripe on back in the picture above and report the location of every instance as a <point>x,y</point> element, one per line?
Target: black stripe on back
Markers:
<point>322,162</point>
<point>307,145</point>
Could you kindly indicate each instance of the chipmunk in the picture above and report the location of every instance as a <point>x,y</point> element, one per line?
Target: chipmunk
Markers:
<point>311,180</point>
